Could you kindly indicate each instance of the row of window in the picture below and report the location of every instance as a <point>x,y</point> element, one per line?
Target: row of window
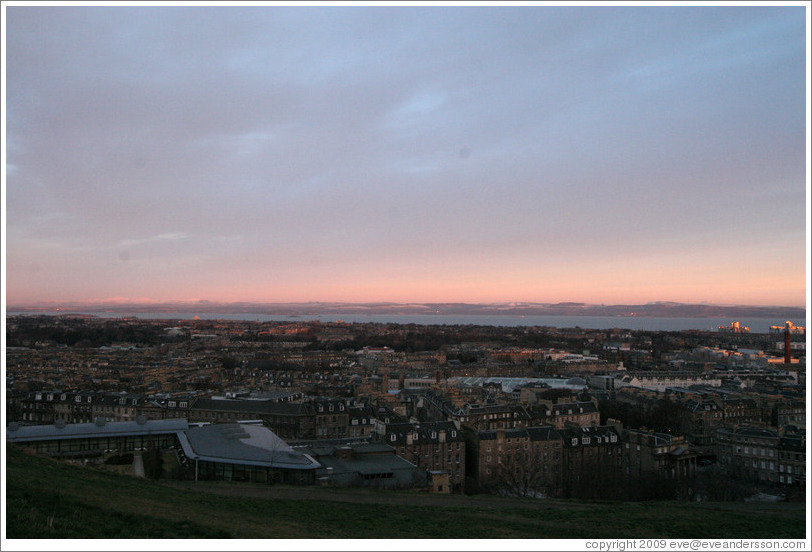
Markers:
<point>79,398</point>
<point>105,444</point>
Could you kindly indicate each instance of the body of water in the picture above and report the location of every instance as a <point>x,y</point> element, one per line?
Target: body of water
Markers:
<point>756,325</point>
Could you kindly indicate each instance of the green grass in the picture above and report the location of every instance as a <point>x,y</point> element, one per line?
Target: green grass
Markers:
<point>49,499</point>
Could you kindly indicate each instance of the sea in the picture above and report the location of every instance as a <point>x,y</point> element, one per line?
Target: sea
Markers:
<point>756,325</point>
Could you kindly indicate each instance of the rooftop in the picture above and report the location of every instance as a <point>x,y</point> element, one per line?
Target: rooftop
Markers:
<point>21,434</point>
<point>243,444</point>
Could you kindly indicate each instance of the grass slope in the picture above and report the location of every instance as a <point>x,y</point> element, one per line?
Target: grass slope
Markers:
<point>49,499</point>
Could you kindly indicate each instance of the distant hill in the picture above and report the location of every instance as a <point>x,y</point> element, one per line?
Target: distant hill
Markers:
<point>52,500</point>
<point>657,309</point>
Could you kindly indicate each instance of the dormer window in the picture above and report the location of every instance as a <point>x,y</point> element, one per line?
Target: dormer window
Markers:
<point>321,408</point>
<point>38,397</point>
<point>341,407</point>
<point>78,398</point>
<point>614,438</point>
<point>331,408</point>
<point>50,396</point>
<point>433,434</point>
<point>172,404</point>
<point>89,399</point>
<point>62,397</point>
<point>182,405</point>
<point>135,402</point>
<point>392,437</point>
<point>453,433</point>
<point>574,441</point>
<point>122,402</point>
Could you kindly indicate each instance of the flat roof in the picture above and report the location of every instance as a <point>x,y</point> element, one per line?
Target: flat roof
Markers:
<point>52,432</point>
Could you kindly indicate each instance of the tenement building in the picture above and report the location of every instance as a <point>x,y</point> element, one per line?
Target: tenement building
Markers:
<point>520,461</point>
<point>433,446</point>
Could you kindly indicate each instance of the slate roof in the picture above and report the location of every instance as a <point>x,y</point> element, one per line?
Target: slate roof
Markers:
<point>422,433</point>
<point>598,435</point>
<point>565,409</point>
<point>245,444</point>
<point>794,443</point>
<point>539,433</point>
<point>253,407</point>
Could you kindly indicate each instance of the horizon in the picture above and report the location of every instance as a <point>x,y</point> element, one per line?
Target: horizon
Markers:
<point>406,154</point>
<point>147,302</point>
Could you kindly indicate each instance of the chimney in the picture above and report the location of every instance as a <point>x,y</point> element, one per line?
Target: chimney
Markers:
<point>345,453</point>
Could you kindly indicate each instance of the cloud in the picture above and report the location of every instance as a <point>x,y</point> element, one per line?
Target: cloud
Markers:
<point>268,137</point>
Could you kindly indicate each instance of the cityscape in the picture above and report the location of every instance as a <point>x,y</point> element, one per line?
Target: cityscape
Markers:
<point>303,276</point>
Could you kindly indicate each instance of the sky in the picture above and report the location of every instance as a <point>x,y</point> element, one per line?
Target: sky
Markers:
<point>406,153</point>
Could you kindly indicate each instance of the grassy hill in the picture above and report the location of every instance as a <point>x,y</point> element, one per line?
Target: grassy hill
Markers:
<point>49,499</point>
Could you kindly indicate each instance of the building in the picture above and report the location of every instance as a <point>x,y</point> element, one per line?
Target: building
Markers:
<point>792,459</point>
<point>735,328</point>
<point>524,461</point>
<point>592,457</point>
<point>98,439</point>
<point>288,420</point>
<point>659,454</point>
<point>243,452</point>
<point>749,453</point>
<point>582,413</point>
<point>361,421</point>
<point>365,465</point>
<point>433,446</point>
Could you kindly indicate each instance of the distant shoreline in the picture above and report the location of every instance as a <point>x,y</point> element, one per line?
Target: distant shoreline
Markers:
<point>649,310</point>
<point>635,323</point>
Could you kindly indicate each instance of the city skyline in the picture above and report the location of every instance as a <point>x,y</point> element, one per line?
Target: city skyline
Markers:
<point>406,154</point>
